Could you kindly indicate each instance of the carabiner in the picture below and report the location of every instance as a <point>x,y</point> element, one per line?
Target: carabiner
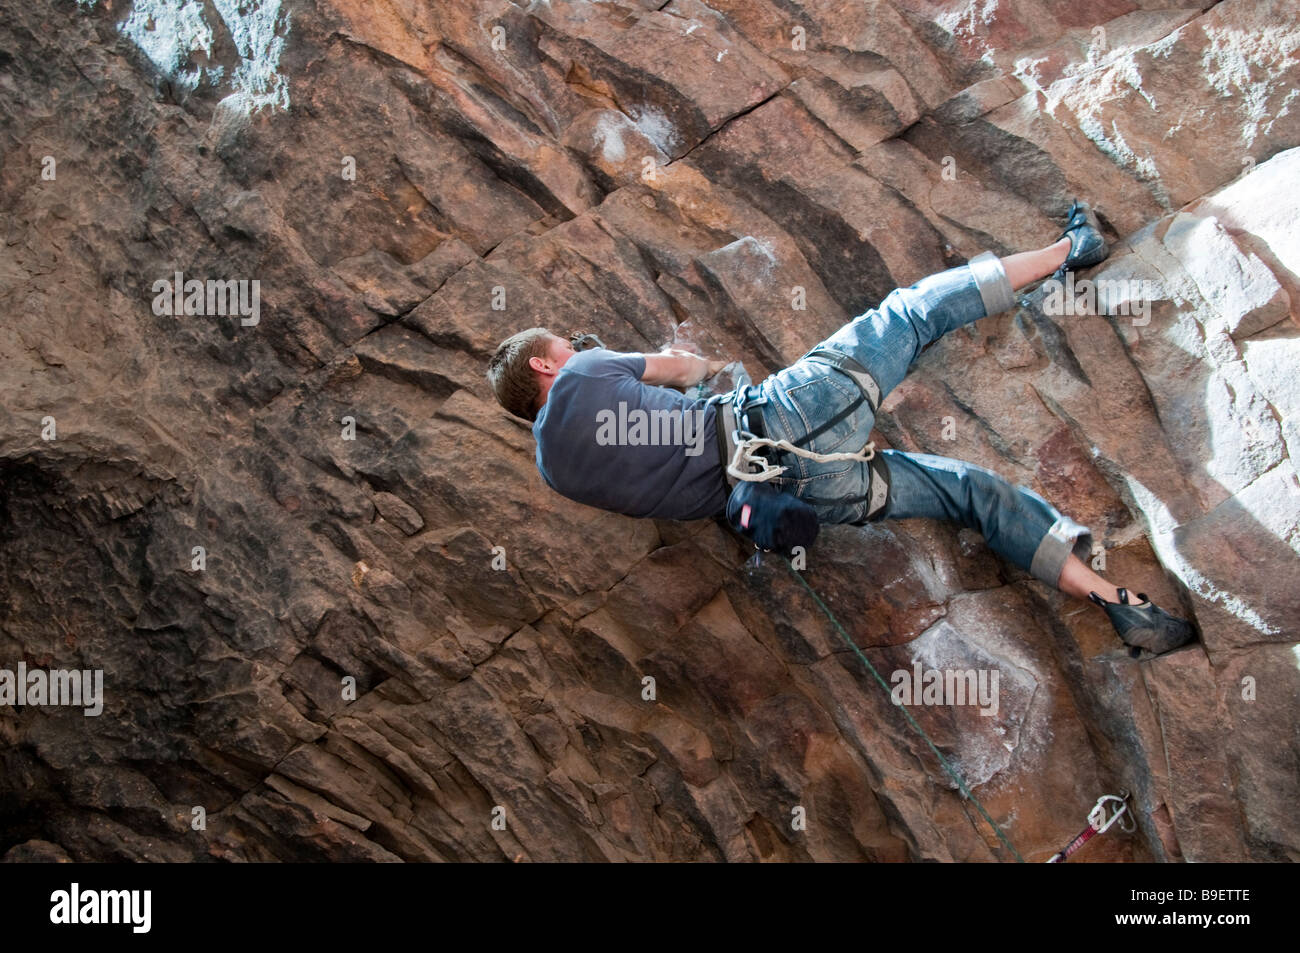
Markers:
<point>1097,816</point>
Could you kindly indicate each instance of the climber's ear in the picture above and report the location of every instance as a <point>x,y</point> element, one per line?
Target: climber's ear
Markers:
<point>557,355</point>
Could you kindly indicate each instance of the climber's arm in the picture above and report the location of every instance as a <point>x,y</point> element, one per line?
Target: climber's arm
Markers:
<point>677,368</point>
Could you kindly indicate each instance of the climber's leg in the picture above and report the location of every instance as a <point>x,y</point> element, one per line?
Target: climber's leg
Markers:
<point>1016,522</point>
<point>1026,267</point>
<point>888,338</point>
<point>1078,580</point>
<point>1010,518</point>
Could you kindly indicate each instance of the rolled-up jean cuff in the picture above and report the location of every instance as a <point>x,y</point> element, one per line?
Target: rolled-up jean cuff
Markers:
<point>991,278</point>
<point>1065,537</point>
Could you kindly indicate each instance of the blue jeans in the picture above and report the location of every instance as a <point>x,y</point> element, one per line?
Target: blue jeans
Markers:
<point>805,397</point>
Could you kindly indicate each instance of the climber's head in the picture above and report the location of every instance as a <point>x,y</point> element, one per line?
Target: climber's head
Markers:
<point>523,367</point>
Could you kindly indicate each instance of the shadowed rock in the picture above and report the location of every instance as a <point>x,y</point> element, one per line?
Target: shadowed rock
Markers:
<point>339,615</point>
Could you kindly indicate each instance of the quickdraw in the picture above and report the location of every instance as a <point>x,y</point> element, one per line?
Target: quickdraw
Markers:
<point>1099,823</point>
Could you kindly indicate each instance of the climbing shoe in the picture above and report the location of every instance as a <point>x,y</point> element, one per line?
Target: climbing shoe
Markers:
<point>1145,628</point>
<point>1087,247</point>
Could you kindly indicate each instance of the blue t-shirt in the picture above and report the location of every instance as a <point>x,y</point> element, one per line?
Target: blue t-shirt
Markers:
<point>609,440</point>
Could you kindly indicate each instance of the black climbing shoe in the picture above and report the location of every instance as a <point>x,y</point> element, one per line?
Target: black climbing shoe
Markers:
<point>1087,247</point>
<point>1147,629</point>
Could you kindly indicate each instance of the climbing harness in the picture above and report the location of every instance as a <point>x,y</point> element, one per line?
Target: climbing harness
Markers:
<point>847,365</point>
<point>742,444</point>
<point>1099,823</point>
<point>756,509</point>
<point>747,443</point>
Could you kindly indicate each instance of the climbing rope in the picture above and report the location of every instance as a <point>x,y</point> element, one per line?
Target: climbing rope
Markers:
<point>745,454</point>
<point>906,714</point>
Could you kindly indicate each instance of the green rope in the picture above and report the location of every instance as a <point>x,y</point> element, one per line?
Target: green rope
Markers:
<point>906,714</point>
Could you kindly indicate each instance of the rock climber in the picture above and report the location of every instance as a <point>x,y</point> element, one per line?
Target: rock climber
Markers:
<point>612,433</point>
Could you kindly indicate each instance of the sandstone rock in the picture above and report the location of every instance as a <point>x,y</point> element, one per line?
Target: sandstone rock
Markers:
<point>337,608</point>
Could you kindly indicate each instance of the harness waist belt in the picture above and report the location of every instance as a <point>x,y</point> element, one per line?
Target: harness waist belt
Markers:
<point>731,417</point>
<point>726,426</point>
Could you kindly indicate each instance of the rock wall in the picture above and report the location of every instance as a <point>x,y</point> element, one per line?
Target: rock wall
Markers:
<point>409,182</point>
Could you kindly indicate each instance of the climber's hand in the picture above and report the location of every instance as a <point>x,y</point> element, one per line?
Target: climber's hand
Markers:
<point>675,367</point>
<point>713,367</point>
